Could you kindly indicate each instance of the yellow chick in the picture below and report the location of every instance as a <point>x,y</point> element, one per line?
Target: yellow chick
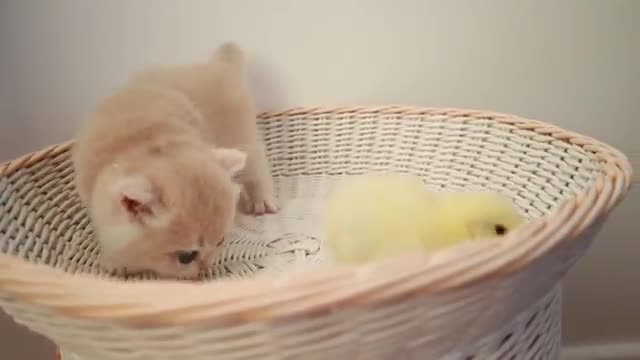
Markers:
<point>371,217</point>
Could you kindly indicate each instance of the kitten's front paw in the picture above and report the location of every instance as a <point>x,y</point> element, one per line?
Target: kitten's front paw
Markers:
<point>260,206</point>
<point>108,265</point>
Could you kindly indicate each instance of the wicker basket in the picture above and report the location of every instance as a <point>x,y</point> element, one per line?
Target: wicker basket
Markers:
<point>497,299</point>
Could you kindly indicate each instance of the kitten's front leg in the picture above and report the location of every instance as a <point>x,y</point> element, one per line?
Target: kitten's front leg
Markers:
<point>109,264</point>
<point>113,267</point>
<point>258,199</point>
<point>258,194</point>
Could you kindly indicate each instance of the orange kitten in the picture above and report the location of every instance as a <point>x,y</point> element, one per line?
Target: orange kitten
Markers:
<point>157,165</point>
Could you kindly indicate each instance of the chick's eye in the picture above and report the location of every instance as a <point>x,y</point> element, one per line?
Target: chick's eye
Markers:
<point>187,257</point>
<point>500,229</point>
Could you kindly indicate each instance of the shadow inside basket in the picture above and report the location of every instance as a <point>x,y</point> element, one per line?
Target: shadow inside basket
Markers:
<point>43,221</point>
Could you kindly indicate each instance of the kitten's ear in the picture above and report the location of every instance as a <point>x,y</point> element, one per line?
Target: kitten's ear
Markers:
<point>231,160</point>
<point>136,196</point>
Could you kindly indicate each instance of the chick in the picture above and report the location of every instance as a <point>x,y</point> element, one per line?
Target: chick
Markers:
<point>372,217</point>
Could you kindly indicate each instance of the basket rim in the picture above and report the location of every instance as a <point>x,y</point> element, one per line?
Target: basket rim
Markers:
<point>304,293</point>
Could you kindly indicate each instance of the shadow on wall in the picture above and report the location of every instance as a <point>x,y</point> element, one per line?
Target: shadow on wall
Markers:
<point>22,131</point>
<point>269,94</point>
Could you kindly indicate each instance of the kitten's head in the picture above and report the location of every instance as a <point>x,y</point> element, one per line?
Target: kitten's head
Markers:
<point>167,215</point>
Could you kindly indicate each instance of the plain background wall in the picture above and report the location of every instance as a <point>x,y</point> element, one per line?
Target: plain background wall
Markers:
<point>571,62</point>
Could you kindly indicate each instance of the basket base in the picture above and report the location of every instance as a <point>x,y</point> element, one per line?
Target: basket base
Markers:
<point>535,334</point>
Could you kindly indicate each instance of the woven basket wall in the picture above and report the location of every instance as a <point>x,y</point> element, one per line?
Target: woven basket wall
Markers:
<point>497,299</point>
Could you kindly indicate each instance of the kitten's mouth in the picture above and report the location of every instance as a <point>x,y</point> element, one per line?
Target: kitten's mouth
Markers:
<point>203,268</point>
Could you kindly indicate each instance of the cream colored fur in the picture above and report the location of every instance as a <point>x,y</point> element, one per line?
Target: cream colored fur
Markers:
<point>162,162</point>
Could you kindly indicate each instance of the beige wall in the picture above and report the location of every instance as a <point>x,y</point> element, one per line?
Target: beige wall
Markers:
<point>571,62</point>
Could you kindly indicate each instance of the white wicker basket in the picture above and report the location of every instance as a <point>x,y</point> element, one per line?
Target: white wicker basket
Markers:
<point>498,299</point>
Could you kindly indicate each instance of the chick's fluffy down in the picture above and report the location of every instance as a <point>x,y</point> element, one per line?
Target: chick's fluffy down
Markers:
<point>377,216</point>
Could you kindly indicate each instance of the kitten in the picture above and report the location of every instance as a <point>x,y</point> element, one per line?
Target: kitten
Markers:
<point>163,162</point>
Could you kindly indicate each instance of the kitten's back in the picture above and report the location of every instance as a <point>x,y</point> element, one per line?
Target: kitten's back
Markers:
<point>219,90</point>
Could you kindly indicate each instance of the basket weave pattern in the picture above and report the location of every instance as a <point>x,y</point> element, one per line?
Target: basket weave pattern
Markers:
<point>489,300</point>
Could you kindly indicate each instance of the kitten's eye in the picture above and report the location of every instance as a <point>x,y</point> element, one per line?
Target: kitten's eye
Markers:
<point>500,229</point>
<point>187,257</point>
